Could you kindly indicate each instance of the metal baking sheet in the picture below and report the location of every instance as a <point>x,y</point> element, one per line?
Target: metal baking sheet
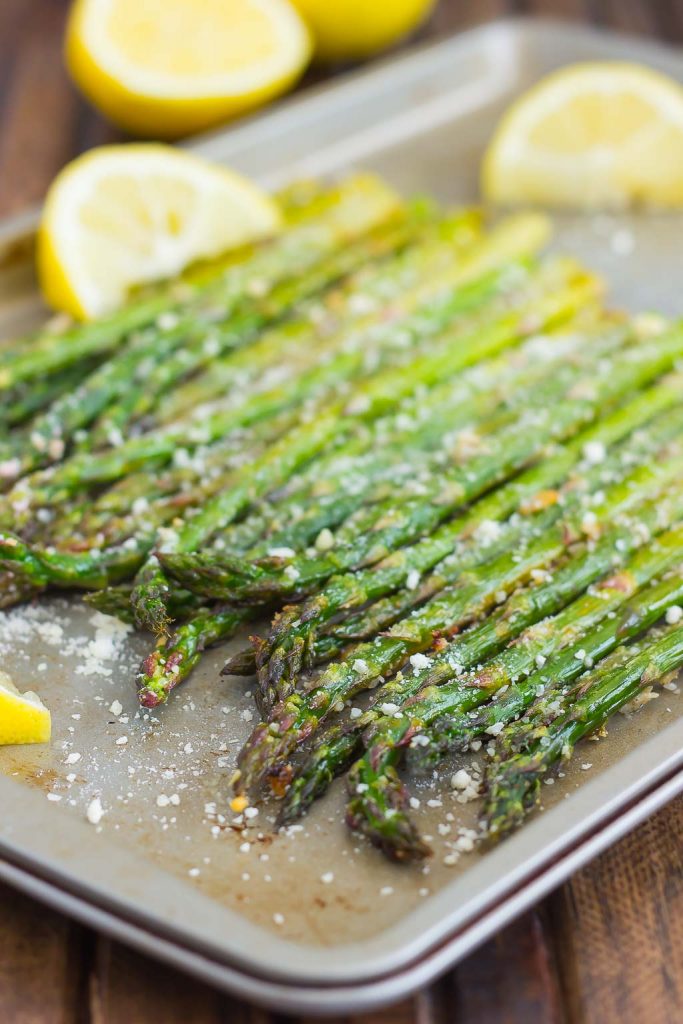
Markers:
<point>162,869</point>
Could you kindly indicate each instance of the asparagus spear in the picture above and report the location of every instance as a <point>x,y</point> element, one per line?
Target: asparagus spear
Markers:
<point>382,391</point>
<point>16,590</point>
<point>208,576</point>
<point>514,785</point>
<point>457,699</point>
<point>380,788</point>
<point>171,662</point>
<point>28,399</point>
<point>385,389</point>
<point>281,660</point>
<point>647,418</point>
<point>203,620</point>
<point>329,490</point>
<point>235,336</point>
<point>445,299</point>
<point>297,717</point>
<point>298,533</point>
<point>90,570</point>
<point>156,448</point>
<point>334,754</point>
<point>331,218</point>
<point>638,614</point>
<point>410,456</point>
<point>393,260</point>
<point>336,751</point>
<point>116,601</point>
<point>125,508</point>
<point>204,337</point>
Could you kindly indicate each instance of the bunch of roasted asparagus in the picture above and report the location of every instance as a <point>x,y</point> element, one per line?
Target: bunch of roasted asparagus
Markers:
<point>429,456</point>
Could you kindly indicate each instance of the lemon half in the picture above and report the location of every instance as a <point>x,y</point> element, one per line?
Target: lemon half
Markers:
<point>354,29</point>
<point>125,215</point>
<point>591,135</point>
<point>166,68</point>
<point>23,716</point>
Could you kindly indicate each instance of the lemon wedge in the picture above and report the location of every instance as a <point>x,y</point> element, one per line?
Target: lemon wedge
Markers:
<point>125,215</point>
<point>23,716</point>
<point>591,135</point>
<point>353,29</point>
<point>165,68</point>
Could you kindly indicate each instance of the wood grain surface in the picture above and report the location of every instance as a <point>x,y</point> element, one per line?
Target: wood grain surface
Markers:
<point>606,947</point>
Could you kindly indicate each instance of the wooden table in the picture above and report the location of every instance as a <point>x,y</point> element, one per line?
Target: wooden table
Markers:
<point>607,946</point>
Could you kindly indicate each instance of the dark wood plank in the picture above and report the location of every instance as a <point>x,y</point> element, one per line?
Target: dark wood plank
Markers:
<point>125,987</point>
<point>405,1012</point>
<point>41,963</point>
<point>39,107</point>
<point>451,17</point>
<point>637,16</point>
<point>619,928</point>
<point>510,980</point>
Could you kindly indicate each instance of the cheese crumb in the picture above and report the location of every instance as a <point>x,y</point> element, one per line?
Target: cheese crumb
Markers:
<point>412,579</point>
<point>461,779</point>
<point>282,552</point>
<point>95,811</point>
<point>594,452</point>
<point>325,540</point>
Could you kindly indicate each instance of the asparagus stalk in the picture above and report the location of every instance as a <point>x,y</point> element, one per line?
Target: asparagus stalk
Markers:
<point>465,285</point>
<point>245,358</point>
<point>261,584</point>
<point>16,590</point>
<point>294,534</point>
<point>126,508</point>
<point>329,223</point>
<point>28,399</point>
<point>335,753</point>
<point>172,662</point>
<point>647,418</point>
<point>209,577</point>
<point>638,614</point>
<point>199,339</point>
<point>514,785</point>
<point>155,449</point>
<point>379,807</point>
<point>452,702</point>
<point>116,601</point>
<point>280,660</point>
<point>393,260</point>
<point>379,454</point>
<point>382,391</point>
<point>295,719</point>
<point>88,571</point>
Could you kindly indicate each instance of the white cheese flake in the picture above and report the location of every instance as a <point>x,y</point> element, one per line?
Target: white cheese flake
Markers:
<point>95,811</point>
